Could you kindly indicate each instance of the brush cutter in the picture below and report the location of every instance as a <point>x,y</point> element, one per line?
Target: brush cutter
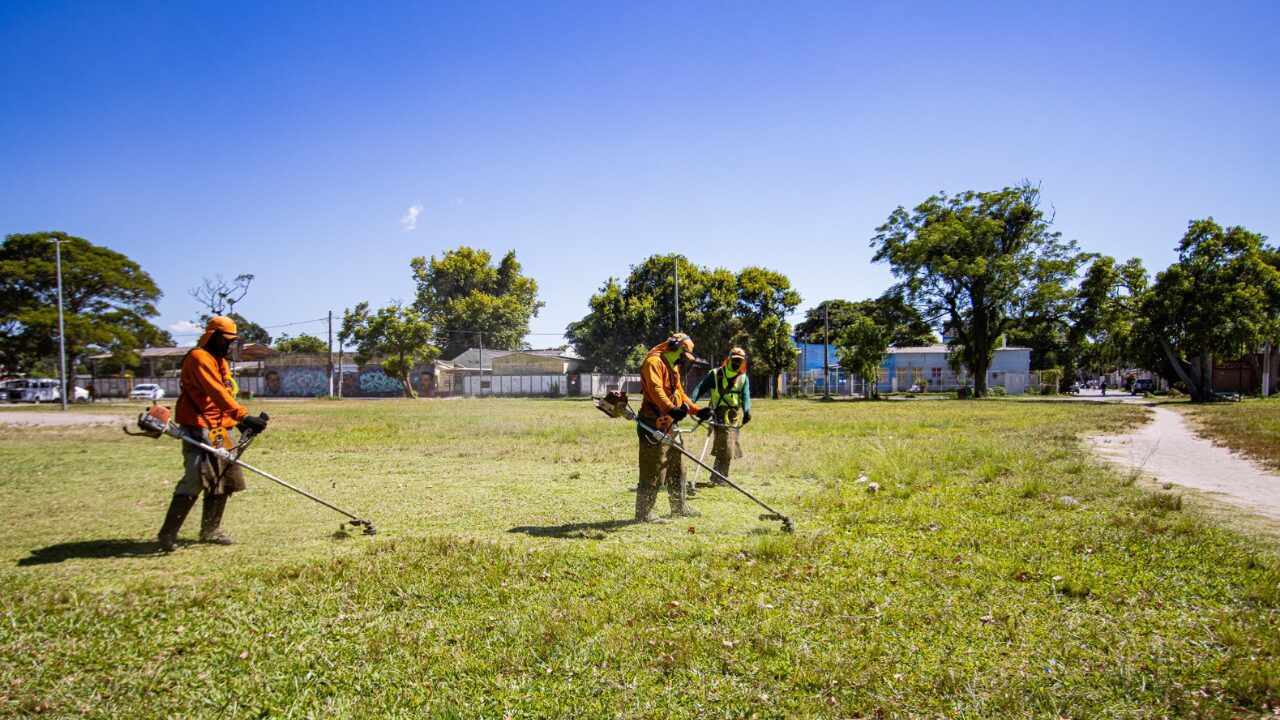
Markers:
<point>615,404</point>
<point>155,422</point>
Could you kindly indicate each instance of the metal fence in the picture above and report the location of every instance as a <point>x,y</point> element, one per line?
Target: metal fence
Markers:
<point>910,380</point>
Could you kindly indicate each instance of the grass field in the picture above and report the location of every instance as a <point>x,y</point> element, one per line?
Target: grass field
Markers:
<point>998,572</point>
<point>1251,427</point>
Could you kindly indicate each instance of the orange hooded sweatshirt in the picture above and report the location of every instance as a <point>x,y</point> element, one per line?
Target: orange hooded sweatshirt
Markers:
<point>206,399</point>
<point>662,388</point>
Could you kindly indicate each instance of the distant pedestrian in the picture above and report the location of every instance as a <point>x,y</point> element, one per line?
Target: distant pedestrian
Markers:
<point>93,392</point>
<point>1104,387</point>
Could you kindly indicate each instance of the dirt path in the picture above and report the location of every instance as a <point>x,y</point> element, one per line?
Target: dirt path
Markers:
<point>1170,451</point>
<point>57,418</point>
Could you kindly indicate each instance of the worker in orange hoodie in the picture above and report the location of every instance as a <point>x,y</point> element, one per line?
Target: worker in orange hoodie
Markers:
<point>206,411</point>
<point>665,404</point>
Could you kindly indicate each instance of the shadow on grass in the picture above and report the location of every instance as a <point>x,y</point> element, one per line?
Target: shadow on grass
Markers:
<point>575,531</point>
<point>92,549</point>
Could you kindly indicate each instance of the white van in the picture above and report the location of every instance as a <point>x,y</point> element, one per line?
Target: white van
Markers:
<point>33,390</point>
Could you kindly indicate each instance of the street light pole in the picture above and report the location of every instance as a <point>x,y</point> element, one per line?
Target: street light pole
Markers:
<point>62,337</point>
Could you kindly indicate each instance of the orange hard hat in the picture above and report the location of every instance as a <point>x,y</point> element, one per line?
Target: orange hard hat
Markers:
<point>219,324</point>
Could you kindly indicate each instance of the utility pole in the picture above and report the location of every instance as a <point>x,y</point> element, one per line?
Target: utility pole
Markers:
<point>330,353</point>
<point>339,367</point>
<point>480,385</point>
<point>62,337</point>
<point>826,364</point>
<point>675,263</point>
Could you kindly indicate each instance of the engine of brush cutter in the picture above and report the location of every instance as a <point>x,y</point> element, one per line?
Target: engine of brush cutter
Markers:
<point>156,421</point>
<point>614,404</point>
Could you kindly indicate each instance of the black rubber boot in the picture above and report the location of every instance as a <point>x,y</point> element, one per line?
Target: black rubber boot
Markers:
<point>178,509</point>
<point>679,508</point>
<point>722,467</point>
<point>646,498</point>
<point>211,520</point>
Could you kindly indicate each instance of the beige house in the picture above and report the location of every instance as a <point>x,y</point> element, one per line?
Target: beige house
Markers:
<point>537,362</point>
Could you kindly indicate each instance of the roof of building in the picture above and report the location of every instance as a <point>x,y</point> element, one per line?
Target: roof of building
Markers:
<point>937,348</point>
<point>555,354</point>
<point>470,358</point>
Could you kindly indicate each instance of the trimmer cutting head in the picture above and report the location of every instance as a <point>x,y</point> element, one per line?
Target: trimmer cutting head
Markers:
<point>367,525</point>
<point>788,525</point>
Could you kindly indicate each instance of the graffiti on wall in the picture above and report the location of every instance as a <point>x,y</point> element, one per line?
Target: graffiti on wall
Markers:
<point>377,383</point>
<point>295,382</point>
<point>313,381</point>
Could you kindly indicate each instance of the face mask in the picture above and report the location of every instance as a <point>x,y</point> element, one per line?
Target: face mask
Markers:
<point>223,347</point>
<point>735,365</point>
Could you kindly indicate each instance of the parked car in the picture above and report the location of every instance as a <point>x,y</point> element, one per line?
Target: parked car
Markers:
<point>79,394</point>
<point>33,390</point>
<point>147,391</point>
<point>1143,385</point>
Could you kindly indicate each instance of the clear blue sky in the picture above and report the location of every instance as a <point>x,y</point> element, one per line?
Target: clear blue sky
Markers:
<point>290,140</point>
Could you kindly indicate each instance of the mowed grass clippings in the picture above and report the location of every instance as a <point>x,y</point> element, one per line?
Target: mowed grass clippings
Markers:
<point>994,571</point>
<point>1251,427</point>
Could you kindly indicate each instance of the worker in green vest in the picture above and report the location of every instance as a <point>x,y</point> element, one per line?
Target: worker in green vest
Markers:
<point>730,391</point>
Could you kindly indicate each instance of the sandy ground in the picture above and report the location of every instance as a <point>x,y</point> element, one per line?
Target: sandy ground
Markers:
<point>1168,450</point>
<point>57,418</point>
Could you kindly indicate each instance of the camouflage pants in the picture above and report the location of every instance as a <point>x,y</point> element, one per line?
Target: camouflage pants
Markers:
<point>203,472</point>
<point>660,465</point>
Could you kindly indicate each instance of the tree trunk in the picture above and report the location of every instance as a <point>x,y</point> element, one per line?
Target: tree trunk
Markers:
<point>1206,374</point>
<point>980,377</point>
<point>406,384</point>
<point>1192,388</point>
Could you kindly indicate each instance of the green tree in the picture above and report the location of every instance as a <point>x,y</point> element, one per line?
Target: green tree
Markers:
<point>980,262</point>
<point>1105,310</point>
<point>108,301</point>
<point>861,347</point>
<point>765,299</point>
<point>463,294</point>
<point>304,343</point>
<point>627,317</point>
<point>607,337</point>
<point>891,311</point>
<point>1221,299</point>
<point>399,336</point>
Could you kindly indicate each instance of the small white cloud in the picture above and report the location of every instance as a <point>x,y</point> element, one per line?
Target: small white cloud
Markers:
<point>410,219</point>
<point>185,327</point>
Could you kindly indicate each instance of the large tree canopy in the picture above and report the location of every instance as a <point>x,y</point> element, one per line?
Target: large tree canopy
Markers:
<point>980,262</point>
<point>626,317</point>
<point>399,336</point>
<point>108,301</point>
<point>1105,309</point>
<point>1220,300</point>
<point>463,295</point>
<point>905,325</point>
<point>765,299</point>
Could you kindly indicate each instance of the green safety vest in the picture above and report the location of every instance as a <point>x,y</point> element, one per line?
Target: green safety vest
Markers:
<point>726,392</point>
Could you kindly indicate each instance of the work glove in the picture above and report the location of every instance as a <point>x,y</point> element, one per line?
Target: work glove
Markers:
<point>746,417</point>
<point>704,414</point>
<point>253,424</point>
<point>678,412</point>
